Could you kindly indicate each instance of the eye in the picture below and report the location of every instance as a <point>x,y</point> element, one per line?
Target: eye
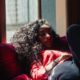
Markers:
<point>42,34</point>
<point>49,32</point>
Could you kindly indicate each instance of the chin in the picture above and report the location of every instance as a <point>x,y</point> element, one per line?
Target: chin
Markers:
<point>48,47</point>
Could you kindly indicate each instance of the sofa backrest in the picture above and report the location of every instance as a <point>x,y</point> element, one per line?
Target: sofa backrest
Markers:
<point>9,66</point>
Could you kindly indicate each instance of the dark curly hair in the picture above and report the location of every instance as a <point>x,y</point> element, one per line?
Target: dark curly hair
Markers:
<point>26,42</point>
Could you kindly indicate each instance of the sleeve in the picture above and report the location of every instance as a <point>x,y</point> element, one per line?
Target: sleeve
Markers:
<point>59,53</point>
<point>38,71</point>
<point>49,56</point>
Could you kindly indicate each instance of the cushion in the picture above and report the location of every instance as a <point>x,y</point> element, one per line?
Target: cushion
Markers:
<point>9,66</point>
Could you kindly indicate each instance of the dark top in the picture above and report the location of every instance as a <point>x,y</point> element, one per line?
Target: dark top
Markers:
<point>65,71</point>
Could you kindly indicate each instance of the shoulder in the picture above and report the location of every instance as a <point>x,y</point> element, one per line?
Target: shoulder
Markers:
<point>64,39</point>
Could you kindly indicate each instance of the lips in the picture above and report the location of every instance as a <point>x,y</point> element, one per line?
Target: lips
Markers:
<point>48,40</point>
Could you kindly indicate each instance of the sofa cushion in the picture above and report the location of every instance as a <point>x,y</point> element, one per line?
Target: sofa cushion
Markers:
<point>8,62</point>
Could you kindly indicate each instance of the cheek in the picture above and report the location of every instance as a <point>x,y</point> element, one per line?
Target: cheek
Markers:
<point>42,39</point>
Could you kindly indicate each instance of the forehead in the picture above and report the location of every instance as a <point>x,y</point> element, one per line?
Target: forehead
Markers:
<point>44,27</point>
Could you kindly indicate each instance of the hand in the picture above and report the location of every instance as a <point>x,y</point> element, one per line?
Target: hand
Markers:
<point>65,56</point>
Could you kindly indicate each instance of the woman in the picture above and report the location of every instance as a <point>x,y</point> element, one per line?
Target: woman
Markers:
<point>35,42</point>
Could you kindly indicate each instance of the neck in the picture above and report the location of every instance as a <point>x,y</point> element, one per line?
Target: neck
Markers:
<point>49,48</point>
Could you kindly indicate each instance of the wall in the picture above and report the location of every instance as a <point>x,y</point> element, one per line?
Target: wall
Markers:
<point>49,12</point>
<point>61,17</point>
<point>55,12</point>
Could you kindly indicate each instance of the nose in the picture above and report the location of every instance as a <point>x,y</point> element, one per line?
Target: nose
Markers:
<point>48,35</point>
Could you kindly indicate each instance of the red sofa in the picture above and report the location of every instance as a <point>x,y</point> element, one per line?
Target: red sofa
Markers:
<point>9,64</point>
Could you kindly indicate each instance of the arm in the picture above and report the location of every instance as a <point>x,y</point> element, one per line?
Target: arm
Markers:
<point>52,65</point>
<point>62,58</point>
<point>38,71</point>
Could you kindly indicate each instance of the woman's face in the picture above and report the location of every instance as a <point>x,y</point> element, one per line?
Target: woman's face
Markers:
<point>45,36</point>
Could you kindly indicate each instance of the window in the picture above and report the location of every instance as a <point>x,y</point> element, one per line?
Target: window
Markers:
<point>18,13</point>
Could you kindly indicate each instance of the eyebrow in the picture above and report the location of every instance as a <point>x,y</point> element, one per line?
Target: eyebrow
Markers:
<point>44,28</point>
